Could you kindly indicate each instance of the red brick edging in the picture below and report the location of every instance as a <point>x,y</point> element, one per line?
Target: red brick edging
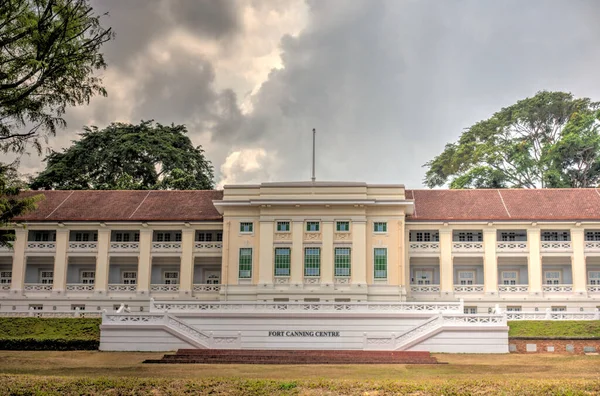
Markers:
<point>562,346</point>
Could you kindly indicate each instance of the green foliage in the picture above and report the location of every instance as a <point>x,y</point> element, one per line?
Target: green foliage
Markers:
<point>555,329</point>
<point>50,328</point>
<point>147,156</point>
<point>549,140</point>
<point>48,344</point>
<point>11,204</point>
<point>49,52</point>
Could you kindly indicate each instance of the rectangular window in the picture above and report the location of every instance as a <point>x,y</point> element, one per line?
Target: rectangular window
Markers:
<point>558,309</point>
<point>36,307</point>
<point>77,307</point>
<point>466,277</point>
<point>312,261</point>
<point>594,278</point>
<point>380,226</point>
<point>88,277</point>
<point>468,236</point>
<point>552,277</point>
<point>556,236</point>
<point>312,226</point>
<point>423,277</point>
<point>136,237</point>
<point>342,226</point>
<point>342,260</point>
<point>167,237</point>
<point>380,263</point>
<point>126,237</point>
<point>178,237</point>
<point>470,310</point>
<point>513,236</point>
<point>160,237</point>
<point>47,277</point>
<point>509,277</point>
<point>247,227</point>
<point>592,236</point>
<point>129,277</point>
<point>219,237</point>
<point>282,261</point>
<point>201,237</point>
<point>513,308</point>
<point>245,263</point>
<point>424,236</point>
<point>5,277</point>
<point>170,278</point>
<point>283,226</point>
<point>78,237</point>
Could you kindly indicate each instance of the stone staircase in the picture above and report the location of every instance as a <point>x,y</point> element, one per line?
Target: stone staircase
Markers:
<point>268,356</point>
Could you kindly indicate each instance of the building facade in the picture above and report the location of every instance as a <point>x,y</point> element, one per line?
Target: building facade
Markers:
<point>317,242</point>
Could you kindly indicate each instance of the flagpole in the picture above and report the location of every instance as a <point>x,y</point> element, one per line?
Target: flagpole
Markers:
<point>313,157</point>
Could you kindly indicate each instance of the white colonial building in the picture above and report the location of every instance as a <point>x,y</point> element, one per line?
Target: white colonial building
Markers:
<point>307,243</point>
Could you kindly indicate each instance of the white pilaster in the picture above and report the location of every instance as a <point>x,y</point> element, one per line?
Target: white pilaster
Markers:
<point>102,261</point>
<point>19,260</point>
<point>359,253</point>
<point>327,253</point>
<point>297,264</point>
<point>60,261</point>
<point>145,261</point>
<point>578,263</point>
<point>186,278</point>
<point>446,262</point>
<point>265,253</point>
<point>534,260</point>
<point>490,262</point>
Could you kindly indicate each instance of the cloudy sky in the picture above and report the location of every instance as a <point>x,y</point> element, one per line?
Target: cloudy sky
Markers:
<point>386,83</point>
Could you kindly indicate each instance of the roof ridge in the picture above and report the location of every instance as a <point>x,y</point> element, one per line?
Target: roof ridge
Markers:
<point>60,204</point>
<point>143,200</point>
<point>503,203</point>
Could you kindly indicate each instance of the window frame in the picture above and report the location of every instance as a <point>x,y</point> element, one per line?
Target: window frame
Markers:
<point>546,279</point>
<point>279,222</point>
<point>594,280</point>
<point>168,280</point>
<point>342,262</point>
<point>466,280</point>
<point>85,278</point>
<point>505,279</point>
<point>377,264</point>
<point>423,281</point>
<point>313,222</point>
<point>250,228</point>
<point>382,223</point>
<point>125,280</point>
<point>248,263</point>
<point>44,279</point>
<point>4,278</point>
<point>312,261</point>
<point>340,222</point>
<point>282,265</point>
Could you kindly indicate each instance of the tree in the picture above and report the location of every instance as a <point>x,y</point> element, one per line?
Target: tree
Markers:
<point>49,50</point>
<point>147,156</point>
<point>549,140</point>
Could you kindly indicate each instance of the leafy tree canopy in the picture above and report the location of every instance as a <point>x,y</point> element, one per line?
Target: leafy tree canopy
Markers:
<point>549,140</point>
<point>124,156</point>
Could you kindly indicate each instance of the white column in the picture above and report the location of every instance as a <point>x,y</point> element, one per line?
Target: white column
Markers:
<point>327,253</point>
<point>266,253</point>
<point>359,253</point>
<point>60,261</point>
<point>145,261</point>
<point>297,264</point>
<point>490,262</point>
<point>578,263</point>
<point>535,260</point>
<point>19,260</point>
<point>446,262</point>
<point>186,277</point>
<point>102,262</point>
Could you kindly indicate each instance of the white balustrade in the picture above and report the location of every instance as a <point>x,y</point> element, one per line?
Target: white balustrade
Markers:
<point>37,287</point>
<point>593,288</point>
<point>467,247</point>
<point>242,306</point>
<point>4,286</point>
<point>80,287</point>
<point>83,247</point>
<point>511,247</point>
<point>164,288</point>
<point>208,247</point>
<point>166,247</point>
<point>592,246</point>
<point>6,249</point>
<point>125,247</point>
<point>133,318</point>
<point>480,319</point>
<point>338,280</point>
<point>425,288</point>
<point>552,315</point>
<point>557,288</point>
<point>513,288</point>
<point>313,280</point>
<point>41,246</point>
<point>557,246</point>
<point>207,288</point>
<point>424,247</point>
<point>468,288</point>
<point>116,287</point>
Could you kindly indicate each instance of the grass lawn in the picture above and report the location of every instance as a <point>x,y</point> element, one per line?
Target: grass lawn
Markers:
<point>50,328</point>
<point>555,329</point>
<point>96,372</point>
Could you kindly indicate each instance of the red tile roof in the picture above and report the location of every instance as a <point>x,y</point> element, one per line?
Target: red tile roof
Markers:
<point>430,205</point>
<point>506,204</point>
<point>94,205</point>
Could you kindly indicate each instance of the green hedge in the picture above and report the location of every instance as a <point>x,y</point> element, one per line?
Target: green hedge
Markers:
<point>48,344</point>
<point>554,329</point>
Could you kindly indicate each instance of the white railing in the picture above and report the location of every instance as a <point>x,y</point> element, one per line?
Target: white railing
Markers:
<point>166,246</point>
<point>480,319</point>
<point>124,247</point>
<point>51,314</point>
<point>118,287</point>
<point>511,247</point>
<point>41,246</point>
<point>164,288</point>
<point>80,287</point>
<point>37,287</point>
<point>205,287</point>
<point>424,247</point>
<point>5,286</point>
<point>185,328</point>
<point>83,247</point>
<point>6,249</point>
<point>467,247</point>
<point>550,315</point>
<point>513,288</point>
<point>468,288</point>
<point>425,288</point>
<point>133,318</point>
<point>429,325</point>
<point>592,246</point>
<point>557,246</point>
<point>313,280</point>
<point>208,246</point>
<point>557,288</point>
<point>221,306</point>
<point>593,288</point>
